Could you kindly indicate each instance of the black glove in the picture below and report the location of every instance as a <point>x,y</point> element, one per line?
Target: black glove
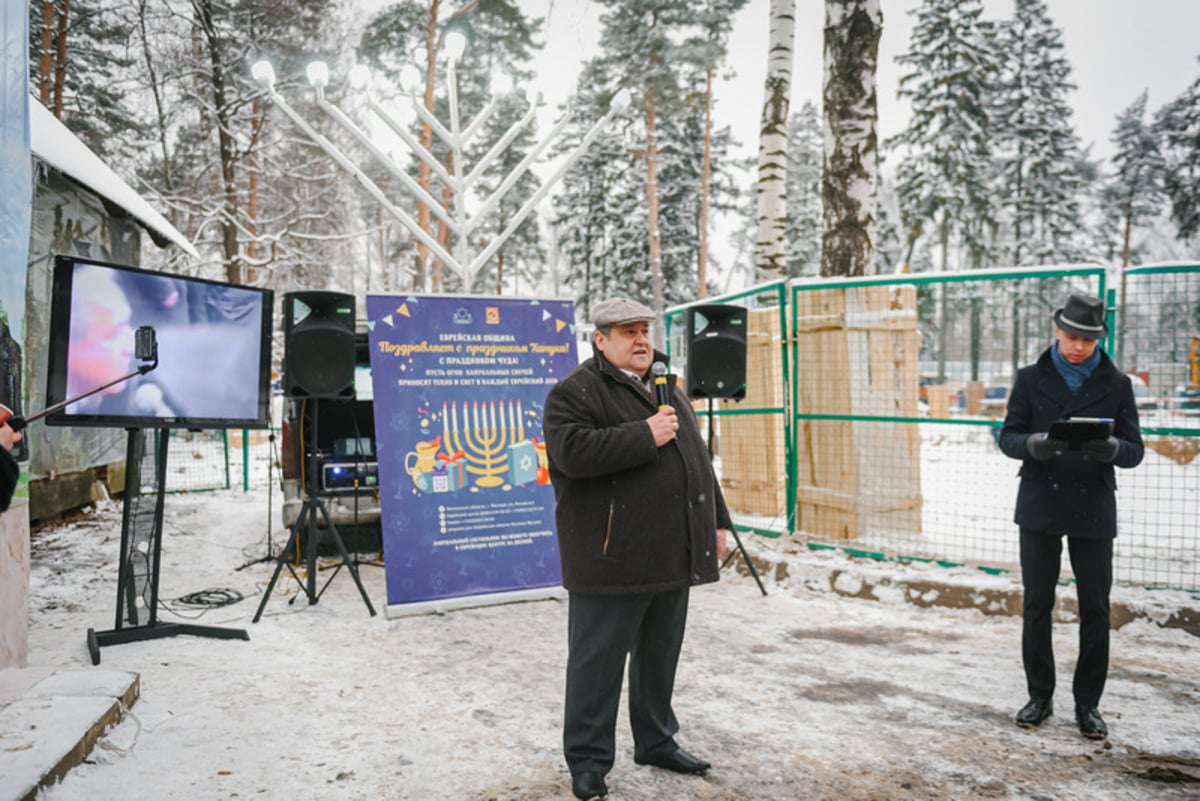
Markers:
<point>1102,450</point>
<point>1042,446</point>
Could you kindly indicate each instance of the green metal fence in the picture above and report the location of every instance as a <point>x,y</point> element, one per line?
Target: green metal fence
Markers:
<point>889,392</point>
<point>217,459</point>
<point>751,436</point>
<point>1157,340</point>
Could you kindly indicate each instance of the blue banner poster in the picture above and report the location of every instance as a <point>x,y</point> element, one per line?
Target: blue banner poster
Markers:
<point>464,489</point>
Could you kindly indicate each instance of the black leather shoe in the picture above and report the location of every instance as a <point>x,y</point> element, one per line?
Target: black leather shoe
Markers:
<point>1034,713</point>
<point>1091,725</point>
<point>589,785</point>
<point>679,761</point>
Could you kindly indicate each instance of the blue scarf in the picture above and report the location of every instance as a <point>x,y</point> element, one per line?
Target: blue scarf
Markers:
<point>1074,374</point>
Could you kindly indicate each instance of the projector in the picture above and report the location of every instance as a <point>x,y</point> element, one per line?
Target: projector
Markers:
<point>348,476</point>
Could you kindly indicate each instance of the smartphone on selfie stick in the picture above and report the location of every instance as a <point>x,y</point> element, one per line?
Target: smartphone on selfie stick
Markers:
<point>145,350</point>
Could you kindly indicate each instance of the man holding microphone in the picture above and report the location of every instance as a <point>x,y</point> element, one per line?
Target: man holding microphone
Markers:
<point>640,520</point>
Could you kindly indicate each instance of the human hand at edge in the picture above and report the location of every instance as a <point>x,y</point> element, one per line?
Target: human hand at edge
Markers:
<point>1042,446</point>
<point>1102,450</point>
<point>722,542</point>
<point>8,437</point>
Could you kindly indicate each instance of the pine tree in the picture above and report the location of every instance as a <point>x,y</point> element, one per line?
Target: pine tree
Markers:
<point>804,217</point>
<point>654,30</point>
<point>79,70</point>
<point>1041,167</point>
<point>709,50</point>
<point>1178,126</point>
<point>1135,192</point>
<point>599,212</point>
<point>942,179</point>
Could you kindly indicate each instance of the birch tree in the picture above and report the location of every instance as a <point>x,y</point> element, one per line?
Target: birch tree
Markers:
<point>770,247</point>
<point>851,156</point>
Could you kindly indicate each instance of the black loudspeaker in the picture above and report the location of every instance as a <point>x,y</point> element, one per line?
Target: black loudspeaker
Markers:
<point>716,351</point>
<point>318,345</point>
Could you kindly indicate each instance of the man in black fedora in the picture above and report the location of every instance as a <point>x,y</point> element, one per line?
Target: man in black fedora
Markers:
<point>1069,492</point>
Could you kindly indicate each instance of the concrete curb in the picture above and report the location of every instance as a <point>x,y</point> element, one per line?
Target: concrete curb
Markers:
<point>858,577</point>
<point>51,720</point>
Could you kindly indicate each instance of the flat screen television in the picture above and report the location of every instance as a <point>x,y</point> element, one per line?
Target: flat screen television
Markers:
<point>213,349</point>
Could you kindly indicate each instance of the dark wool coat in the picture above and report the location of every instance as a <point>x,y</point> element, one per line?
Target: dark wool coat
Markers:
<point>632,517</point>
<point>1071,493</point>
<point>10,472</point>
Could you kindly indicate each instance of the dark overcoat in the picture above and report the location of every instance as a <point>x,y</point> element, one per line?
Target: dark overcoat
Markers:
<point>10,473</point>
<point>1070,494</point>
<point>632,517</point>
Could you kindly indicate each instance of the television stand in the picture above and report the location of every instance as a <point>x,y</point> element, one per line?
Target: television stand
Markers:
<point>141,547</point>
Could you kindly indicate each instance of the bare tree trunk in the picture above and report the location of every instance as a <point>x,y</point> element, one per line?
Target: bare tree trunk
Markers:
<point>60,66</point>
<point>443,233</point>
<point>656,276</point>
<point>426,138</point>
<point>849,183</point>
<point>156,90</point>
<point>1127,236</point>
<point>46,58</point>
<point>381,243</point>
<point>229,214</point>
<point>705,181</point>
<point>770,246</point>
<point>252,192</point>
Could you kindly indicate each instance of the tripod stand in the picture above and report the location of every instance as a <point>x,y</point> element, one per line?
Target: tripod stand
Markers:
<point>307,522</point>
<point>268,556</point>
<point>740,548</point>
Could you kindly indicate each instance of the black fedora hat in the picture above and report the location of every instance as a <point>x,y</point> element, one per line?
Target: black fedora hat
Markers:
<point>1083,316</point>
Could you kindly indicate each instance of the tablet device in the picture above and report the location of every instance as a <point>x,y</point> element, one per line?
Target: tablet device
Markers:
<point>1077,430</point>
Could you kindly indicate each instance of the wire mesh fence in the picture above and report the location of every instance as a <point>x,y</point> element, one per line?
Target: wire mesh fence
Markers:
<point>871,426</point>
<point>217,459</point>
<point>1158,343</point>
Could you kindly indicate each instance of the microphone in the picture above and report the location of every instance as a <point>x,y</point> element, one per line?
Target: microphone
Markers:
<point>661,391</point>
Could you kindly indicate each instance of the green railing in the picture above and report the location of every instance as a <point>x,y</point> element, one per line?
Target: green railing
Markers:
<point>752,437</point>
<point>891,390</point>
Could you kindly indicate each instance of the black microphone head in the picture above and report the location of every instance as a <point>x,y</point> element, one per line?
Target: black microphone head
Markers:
<point>658,369</point>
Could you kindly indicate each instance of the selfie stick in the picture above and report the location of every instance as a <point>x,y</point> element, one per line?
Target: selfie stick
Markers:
<point>145,350</point>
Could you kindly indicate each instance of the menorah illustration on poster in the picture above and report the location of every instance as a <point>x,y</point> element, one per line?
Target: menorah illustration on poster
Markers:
<point>482,444</point>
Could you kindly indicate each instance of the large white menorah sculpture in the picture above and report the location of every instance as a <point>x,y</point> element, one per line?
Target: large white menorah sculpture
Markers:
<point>488,428</point>
<point>458,180</point>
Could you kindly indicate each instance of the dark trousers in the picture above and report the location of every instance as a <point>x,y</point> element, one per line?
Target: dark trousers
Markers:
<point>1091,561</point>
<point>601,631</point>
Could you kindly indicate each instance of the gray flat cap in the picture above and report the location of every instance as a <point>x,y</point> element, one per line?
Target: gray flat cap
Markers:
<point>616,311</point>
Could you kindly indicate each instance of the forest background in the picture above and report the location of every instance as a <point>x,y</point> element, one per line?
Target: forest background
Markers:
<point>986,170</point>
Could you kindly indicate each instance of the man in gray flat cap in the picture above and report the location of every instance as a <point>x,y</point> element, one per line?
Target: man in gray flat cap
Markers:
<point>640,520</point>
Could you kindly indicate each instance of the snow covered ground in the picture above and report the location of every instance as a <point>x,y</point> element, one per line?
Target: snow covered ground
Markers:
<point>835,685</point>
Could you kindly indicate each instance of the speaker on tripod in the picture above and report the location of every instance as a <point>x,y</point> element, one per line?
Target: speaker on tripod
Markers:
<point>716,368</point>
<point>716,351</point>
<point>319,357</point>
<point>318,345</point>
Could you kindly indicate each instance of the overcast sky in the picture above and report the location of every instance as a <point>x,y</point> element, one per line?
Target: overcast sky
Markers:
<point>1117,48</point>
